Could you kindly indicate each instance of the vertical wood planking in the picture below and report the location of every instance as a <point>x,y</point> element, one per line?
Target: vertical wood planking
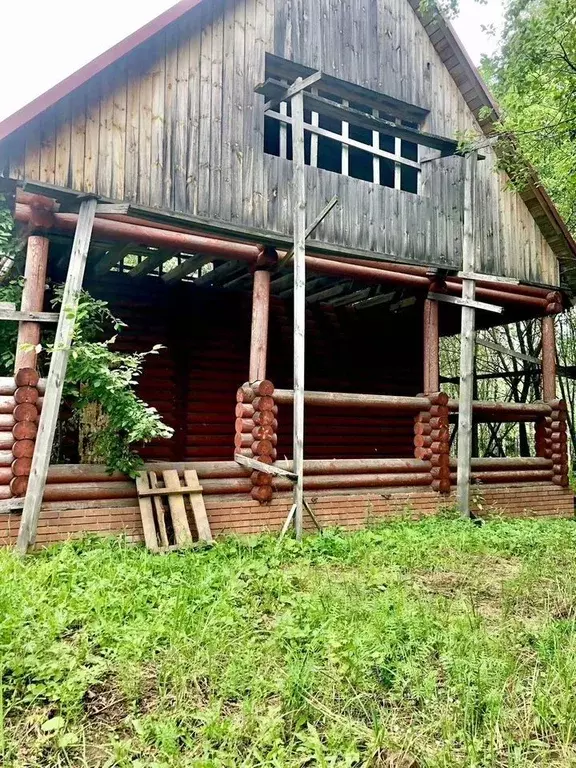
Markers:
<point>63,145</point>
<point>145,132</point>
<point>119,133</point>
<point>228,111</point>
<point>158,121</point>
<point>194,113</point>
<point>237,164</point>
<point>78,140</point>
<point>181,118</point>
<point>105,151</point>
<point>47,147</point>
<point>205,107</point>
<point>132,165</point>
<point>170,116</point>
<point>216,91</point>
<point>92,137</point>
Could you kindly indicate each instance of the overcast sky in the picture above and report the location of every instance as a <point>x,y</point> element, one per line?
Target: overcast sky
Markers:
<point>49,40</point>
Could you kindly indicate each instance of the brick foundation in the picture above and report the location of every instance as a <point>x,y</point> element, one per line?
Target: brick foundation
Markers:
<point>240,515</point>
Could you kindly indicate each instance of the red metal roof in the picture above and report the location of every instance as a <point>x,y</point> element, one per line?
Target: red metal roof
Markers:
<point>97,65</point>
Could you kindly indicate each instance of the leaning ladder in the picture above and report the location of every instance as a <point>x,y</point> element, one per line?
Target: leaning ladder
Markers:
<point>56,376</point>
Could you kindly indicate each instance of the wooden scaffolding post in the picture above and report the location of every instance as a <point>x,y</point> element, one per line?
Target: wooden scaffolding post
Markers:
<point>299,203</point>
<point>467,340</point>
<point>431,347</point>
<point>32,300</point>
<point>548,358</point>
<point>56,376</point>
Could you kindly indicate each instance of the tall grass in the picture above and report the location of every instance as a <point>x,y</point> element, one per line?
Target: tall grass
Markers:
<point>428,644</point>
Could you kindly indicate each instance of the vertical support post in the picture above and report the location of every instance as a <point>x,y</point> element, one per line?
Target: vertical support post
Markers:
<point>467,341</point>
<point>32,300</point>
<point>56,376</point>
<point>299,203</point>
<point>431,347</point>
<point>260,315</point>
<point>548,358</point>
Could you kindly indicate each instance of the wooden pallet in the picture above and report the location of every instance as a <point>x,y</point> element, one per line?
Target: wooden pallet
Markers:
<point>166,526</point>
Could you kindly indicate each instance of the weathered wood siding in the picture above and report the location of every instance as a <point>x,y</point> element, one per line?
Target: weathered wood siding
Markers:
<point>177,125</point>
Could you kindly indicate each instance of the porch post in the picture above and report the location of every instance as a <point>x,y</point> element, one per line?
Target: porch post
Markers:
<point>32,300</point>
<point>431,337</point>
<point>260,316</point>
<point>548,358</point>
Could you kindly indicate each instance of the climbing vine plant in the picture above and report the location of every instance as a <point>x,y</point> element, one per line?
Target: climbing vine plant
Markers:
<point>97,373</point>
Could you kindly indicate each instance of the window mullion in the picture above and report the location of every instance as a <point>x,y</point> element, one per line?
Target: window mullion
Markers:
<point>314,120</point>
<point>375,145</point>
<point>397,166</point>
<point>345,152</point>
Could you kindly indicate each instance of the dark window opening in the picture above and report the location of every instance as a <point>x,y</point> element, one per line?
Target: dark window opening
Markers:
<point>360,165</point>
<point>350,149</point>
<point>408,179</point>
<point>387,173</point>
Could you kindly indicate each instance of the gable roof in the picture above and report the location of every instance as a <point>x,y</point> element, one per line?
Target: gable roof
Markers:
<point>447,45</point>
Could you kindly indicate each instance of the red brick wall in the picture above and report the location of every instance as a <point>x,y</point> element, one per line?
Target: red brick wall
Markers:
<point>238,514</point>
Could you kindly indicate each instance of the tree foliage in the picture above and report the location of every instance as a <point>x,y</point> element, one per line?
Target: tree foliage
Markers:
<point>534,78</point>
<point>97,373</point>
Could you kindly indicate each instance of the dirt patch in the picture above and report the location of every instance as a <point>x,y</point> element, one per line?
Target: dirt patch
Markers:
<point>482,583</point>
<point>105,704</point>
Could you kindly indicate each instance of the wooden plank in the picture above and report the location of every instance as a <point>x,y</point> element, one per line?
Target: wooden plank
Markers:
<point>159,509</point>
<point>488,278</point>
<point>506,351</point>
<point>198,506</point>
<point>78,140</point>
<point>465,302</point>
<point>131,165</point>
<point>145,134</point>
<point>170,115</point>
<point>310,229</point>
<point>63,133</point>
<point>7,505</point>
<point>56,377</point>
<point>195,34</point>
<point>32,317</point>
<point>216,107</point>
<point>111,258</point>
<point>146,512</point>
<point>299,202</point>
<point>112,209</point>
<point>259,466</point>
<point>182,532</point>
<point>467,341</point>
<point>119,132</point>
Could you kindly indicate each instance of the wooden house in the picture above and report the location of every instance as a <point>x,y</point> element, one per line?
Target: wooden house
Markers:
<point>210,138</point>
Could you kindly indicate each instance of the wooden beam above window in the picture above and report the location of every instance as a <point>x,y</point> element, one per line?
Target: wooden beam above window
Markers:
<point>281,69</point>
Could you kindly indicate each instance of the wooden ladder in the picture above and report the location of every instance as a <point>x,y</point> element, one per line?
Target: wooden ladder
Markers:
<point>166,528</point>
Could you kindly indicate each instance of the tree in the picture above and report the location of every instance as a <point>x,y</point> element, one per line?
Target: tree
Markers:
<point>534,79</point>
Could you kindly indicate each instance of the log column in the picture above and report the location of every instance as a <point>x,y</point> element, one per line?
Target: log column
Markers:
<point>431,337</point>
<point>260,314</point>
<point>256,432</point>
<point>548,358</point>
<point>32,300</point>
<point>432,440</point>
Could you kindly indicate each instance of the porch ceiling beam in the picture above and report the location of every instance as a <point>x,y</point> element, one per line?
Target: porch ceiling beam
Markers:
<point>311,285</point>
<point>152,262</point>
<point>374,301</point>
<point>327,293</point>
<point>351,298</point>
<point>221,273</point>
<point>191,264</point>
<point>112,257</point>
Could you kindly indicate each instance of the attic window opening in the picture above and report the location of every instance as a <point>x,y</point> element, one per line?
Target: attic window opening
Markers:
<point>345,148</point>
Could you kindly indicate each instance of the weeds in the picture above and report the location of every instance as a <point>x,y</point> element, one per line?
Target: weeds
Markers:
<point>413,644</point>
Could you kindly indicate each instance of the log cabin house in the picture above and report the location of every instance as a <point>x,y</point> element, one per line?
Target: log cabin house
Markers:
<point>188,136</point>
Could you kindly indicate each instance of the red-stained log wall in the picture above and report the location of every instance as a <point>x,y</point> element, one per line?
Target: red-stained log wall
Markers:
<point>206,333</point>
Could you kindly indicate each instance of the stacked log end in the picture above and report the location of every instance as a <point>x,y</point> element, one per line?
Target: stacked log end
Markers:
<point>256,432</point>
<point>552,441</point>
<point>432,440</point>
<point>26,404</point>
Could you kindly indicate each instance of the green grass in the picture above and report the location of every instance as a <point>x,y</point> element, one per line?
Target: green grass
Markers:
<point>413,644</point>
